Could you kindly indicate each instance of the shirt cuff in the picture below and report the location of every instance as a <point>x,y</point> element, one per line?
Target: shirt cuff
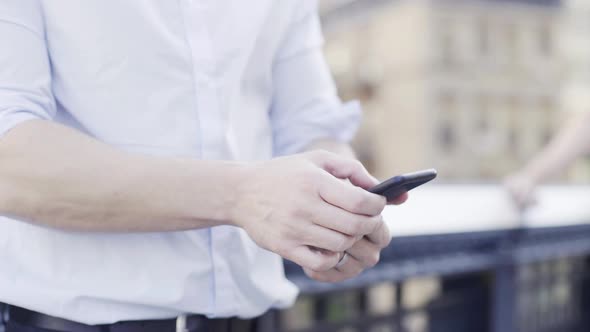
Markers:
<point>340,124</point>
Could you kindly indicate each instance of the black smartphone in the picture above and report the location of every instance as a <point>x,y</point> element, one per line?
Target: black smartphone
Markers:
<point>400,184</point>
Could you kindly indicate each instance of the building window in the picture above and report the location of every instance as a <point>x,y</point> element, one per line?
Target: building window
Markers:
<point>483,36</point>
<point>547,108</point>
<point>545,40</point>
<point>447,136</point>
<point>546,136</point>
<point>482,122</point>
<point>514,105</point>
<point>447,47</point>
<point>513,140</point>
<point>511,39</point>
<point>515,113</point>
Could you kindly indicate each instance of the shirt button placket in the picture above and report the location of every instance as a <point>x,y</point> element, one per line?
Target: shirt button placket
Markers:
<point>204,69</point>
<point>213,133</point>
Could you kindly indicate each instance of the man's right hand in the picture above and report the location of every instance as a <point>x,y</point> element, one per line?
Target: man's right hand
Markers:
<point>297,204</point>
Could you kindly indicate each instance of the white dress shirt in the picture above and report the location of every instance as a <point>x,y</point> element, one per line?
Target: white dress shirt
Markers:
<point>207,79</point>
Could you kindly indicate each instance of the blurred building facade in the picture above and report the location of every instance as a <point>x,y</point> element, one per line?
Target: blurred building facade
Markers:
<point>471,87</point>
<point>575,45</point>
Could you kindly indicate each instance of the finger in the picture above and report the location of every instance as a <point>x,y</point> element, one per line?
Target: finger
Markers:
<point>528,201</point>
<point>399,199</point>
<point>345,222</point>
<point>521,197</point>
<point>348,268</point>
<point>381,236</point>
<point>521,190</point>
<point>365,252</point>
<point>346,168</point>
<point>328,239</point>
<point>321,276</point>
<point>313,258</point>
<point>330,276</point>
<point>350,198</point>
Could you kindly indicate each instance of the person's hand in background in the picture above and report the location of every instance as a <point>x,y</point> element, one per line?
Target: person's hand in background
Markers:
<point>521,188</point>
<point>571,142</point>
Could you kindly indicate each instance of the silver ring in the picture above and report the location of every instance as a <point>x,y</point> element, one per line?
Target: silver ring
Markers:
<point>342,260</point>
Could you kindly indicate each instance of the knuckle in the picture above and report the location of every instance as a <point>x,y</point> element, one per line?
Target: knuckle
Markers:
<point>333,279</point>
<point>317,276</point>
<point>313,265</point>
<point>378,224</point>
<point>299,212</point>
<point>306,179</point>
<point>382,203</point>
<point>356,228</point>
<point>367,227</point>
<point>317,155</point>
<point>373,259</point>
<point>386,237</point>
<point>350,241</point>
<point>368,204</point>
<point>385,243</point>
<point>350,273</point>
<point>344,243</point>
<point>359,205</point>
<point>316,176</point>
<point>313,274</point>
<point>337,245</point>
<point>358,166</point>
<point>323,278</point>
<point>383,238</point>
<point>311,155</point>
<point>356,271</point>
<point>376,204</point>
<point>321,264</point>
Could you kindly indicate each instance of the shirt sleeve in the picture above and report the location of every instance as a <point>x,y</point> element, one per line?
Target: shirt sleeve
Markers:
<point>25,75</point>
<point>305,104</point>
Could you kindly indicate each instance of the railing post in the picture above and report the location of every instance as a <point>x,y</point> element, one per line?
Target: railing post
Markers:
<point>269,322</point>
<point>399,306</point>
<point>504,308</point>
<point>3,314</point>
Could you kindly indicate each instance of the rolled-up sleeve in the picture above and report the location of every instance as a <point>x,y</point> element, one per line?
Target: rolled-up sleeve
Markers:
<point>305,105</point>
<point>25,74</point>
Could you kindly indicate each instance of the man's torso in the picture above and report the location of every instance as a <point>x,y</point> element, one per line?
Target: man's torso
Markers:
<point>183,78</point>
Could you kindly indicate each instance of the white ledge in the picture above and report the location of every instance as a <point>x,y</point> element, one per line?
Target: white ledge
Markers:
<point>443,209</point>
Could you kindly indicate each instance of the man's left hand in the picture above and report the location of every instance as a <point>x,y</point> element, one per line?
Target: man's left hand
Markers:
<point>364,254</point>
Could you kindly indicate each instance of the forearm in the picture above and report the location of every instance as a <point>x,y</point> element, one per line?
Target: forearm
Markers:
<point>572,141</point>
<point>55,176</point>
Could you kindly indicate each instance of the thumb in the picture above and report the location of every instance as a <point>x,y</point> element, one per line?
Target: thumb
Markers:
<point>346,168</point>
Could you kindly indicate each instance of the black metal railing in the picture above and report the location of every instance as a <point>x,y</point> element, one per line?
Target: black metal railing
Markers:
<point>518,280</point>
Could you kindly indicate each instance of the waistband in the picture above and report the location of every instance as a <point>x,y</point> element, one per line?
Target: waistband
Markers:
<point>187,323</point>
